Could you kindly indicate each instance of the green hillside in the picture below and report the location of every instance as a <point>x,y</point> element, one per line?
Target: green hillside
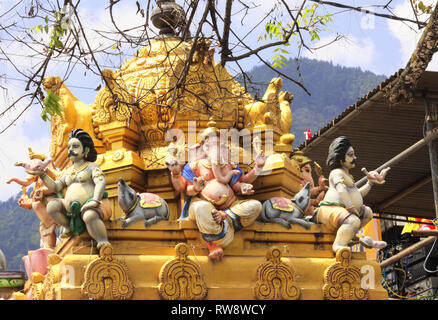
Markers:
<point>19,232</point>
<point>333,89</point>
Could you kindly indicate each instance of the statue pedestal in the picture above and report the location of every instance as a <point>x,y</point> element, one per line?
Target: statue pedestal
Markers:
<point>280,177</point>
<point>171,254</point>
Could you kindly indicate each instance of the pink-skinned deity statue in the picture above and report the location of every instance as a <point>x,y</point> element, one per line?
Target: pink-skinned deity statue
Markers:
<point>39,197</point>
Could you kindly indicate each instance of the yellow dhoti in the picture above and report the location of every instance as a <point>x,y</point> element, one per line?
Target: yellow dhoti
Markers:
<point>332,216</point>
<point>240,214</point>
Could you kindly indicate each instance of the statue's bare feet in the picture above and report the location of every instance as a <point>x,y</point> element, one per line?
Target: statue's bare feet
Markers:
<point>218,215</point>
<point>337,247</point>
<point>367,242</point>
<point>100,244</point>
<point>216,252</point>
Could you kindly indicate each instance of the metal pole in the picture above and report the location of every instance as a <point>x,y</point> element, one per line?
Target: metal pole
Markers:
<point>407,251</point>
<point>432,124</point>
<point>418,145</point>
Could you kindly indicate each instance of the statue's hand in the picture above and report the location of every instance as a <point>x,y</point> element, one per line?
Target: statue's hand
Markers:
<point>322,183</point>
<point>198,184</point>
<point>354,211</point>
<point>90,205</point>
<point>260,159</point>
<point>374,177</point>
<point>173,166</point>
<point>246,189</point>
<point>35,173</point>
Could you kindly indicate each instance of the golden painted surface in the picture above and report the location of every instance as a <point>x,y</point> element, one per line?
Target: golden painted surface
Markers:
<point>276,279</point>
<point>53,277</point>
<point>181,278</point>
<point>342,280</point>
<point>36,287</point>
<point>106,278</point>
<point>76,114</point>
<point>150,95</point>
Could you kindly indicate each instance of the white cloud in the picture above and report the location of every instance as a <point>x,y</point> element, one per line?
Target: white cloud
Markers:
<point>408,34</point>
<point>348,52</point>
<point>14,144</point>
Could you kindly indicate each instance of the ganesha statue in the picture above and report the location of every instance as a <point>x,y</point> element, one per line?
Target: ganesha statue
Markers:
<point>216,188</point>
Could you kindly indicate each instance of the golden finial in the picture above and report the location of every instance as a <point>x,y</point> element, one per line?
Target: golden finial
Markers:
<point>211,123</point>
<point>211,130</point>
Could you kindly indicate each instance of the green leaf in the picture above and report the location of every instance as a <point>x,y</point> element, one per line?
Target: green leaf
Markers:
<point>51,105</point>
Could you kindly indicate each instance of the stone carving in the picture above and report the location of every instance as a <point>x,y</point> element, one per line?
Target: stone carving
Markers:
<point>106,278</point>
<point>181,278</point>
<point>342,209</point>
<point>288,211</point>
<point>276,279</point>
<point>147,207</point>
<point>273,109</point>
<point>112,102</point>
<point>342,279</point>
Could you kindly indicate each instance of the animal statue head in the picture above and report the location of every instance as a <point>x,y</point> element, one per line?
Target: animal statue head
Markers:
<point>302,198</point>
<point>126,195</point>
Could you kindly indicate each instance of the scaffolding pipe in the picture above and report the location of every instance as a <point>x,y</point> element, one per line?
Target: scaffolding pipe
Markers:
<point>415,147</point>
<point>407,251</point>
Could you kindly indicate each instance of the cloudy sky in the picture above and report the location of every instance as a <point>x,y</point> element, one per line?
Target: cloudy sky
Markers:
<point>379,45</point>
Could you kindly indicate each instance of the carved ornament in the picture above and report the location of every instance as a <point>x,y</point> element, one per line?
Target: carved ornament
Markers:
<point>106,278</point>
<point>276,279</point>
<point>181,278</point>
<point>342,279</point>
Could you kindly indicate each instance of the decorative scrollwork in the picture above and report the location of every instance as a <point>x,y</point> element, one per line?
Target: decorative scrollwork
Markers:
<point>107,278</point>
<point>276,279</point>
<point>118,155</point>
<point>181,278</point>
<point>342,280</point>
<point>53,277</point>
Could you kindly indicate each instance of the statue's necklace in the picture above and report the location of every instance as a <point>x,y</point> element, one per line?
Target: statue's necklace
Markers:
<point>350,175</point>
<point>73,172</point>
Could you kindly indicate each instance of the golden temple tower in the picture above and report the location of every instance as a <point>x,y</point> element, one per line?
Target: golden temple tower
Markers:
<point>131,121</point>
